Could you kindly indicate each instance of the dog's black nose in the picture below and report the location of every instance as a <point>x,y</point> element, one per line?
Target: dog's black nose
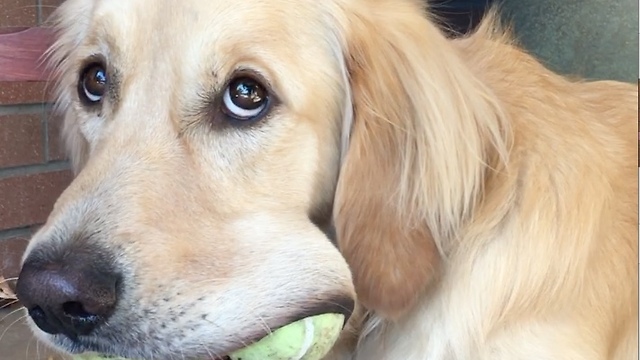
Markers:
<point>67,297</point>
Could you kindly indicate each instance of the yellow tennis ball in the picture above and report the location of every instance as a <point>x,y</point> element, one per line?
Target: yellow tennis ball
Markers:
<point>308,339</point>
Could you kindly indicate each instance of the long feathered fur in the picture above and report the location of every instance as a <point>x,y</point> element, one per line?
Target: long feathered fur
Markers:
<point>473,200</point>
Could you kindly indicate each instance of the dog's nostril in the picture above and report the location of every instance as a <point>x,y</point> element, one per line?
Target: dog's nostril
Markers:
<point>76,310</point>
<point>37,313</point>
<point>42,320</point>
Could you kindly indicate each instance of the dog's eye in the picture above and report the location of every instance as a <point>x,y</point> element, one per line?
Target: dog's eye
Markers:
<point>244,99</point>
<point>92,84</point>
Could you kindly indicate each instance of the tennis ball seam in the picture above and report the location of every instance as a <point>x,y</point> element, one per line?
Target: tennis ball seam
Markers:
<point>309,333</point>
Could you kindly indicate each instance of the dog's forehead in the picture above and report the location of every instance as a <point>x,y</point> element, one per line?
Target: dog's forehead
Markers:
<point>186,42</point>
<point>192,38</point>
<point>208,21</point>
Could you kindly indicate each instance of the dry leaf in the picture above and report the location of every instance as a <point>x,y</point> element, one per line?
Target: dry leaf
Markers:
<point>5,290</point>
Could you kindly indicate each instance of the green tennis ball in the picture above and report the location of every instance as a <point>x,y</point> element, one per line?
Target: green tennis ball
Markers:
<point>308,339</point>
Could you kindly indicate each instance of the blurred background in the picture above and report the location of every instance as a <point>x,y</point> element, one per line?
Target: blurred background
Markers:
<point>597,39</point>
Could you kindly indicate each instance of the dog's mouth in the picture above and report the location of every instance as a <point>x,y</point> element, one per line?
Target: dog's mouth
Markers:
<point>309,338</point>
<point>309,333</point>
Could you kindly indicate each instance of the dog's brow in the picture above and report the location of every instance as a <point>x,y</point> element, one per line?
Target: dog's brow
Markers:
<point>104,37</point>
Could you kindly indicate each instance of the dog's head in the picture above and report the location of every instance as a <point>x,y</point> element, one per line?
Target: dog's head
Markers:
<point>217,147</point>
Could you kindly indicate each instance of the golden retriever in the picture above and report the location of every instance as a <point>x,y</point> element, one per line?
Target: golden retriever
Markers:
<point>244,164</point>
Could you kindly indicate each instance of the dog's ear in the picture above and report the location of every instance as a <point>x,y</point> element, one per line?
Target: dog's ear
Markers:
<point>423,127</point>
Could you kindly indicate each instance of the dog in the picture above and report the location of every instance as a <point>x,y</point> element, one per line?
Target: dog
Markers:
<point>241,165</point>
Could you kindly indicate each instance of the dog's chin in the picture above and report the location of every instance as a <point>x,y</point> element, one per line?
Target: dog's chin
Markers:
<point>85,345</point>
<point>80,345</point>
<point>110,348</point>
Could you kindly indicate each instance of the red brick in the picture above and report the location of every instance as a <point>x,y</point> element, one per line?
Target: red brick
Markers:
<point>56,146</point>
<point>24,92</point>
<point>21,141</point>
<point>18,13</point>
<point>11,251</point>
<point>28,199</point>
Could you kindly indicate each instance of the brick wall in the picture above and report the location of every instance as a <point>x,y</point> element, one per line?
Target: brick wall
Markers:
<point>33,171</point>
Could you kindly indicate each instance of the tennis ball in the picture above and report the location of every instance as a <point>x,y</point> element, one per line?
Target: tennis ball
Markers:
<point>308,339</point>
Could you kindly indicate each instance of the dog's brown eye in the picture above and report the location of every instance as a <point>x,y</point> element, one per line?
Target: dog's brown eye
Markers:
<point>244,99</point>
<point>93,84</point>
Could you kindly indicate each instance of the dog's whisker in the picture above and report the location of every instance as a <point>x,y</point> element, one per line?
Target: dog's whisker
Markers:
<point>11,313</point>
<point>26,351</point>
<point>235,336</point>
<point>37,347</point>
<point>341,306</point>
<point>16,321</point>
<point>264,325</point>
<point>211,355</point>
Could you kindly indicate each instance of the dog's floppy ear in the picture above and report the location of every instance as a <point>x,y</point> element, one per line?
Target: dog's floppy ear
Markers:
<point>423,127</point>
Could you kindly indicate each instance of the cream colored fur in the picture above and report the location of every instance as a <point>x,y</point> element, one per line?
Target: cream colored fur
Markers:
<point>486,207</point>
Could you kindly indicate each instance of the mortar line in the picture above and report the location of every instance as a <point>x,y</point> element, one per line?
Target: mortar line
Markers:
<point>16,232</point>
<point>39,11</point>
<point>21,109</point>
<point>34,169</point>
<point>45,134</point>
